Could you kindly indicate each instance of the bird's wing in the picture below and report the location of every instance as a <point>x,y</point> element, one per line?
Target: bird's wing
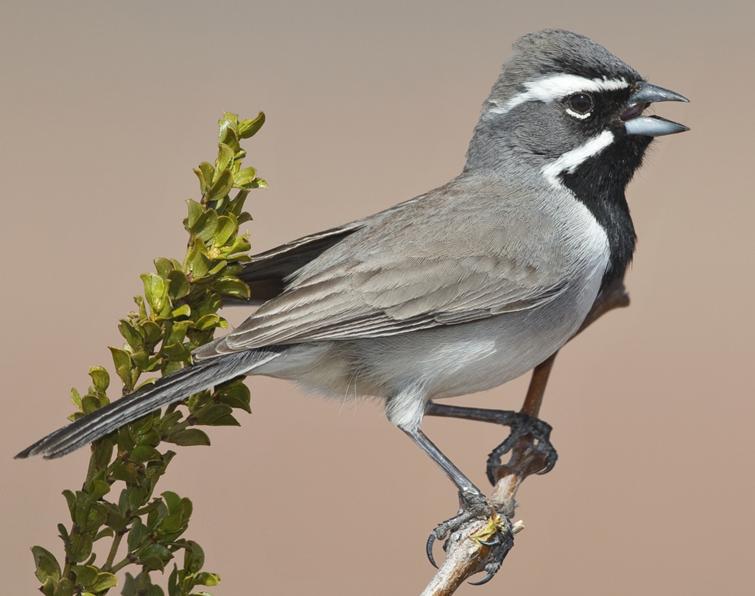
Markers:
<point>265,272</point>
<point>443,260</point>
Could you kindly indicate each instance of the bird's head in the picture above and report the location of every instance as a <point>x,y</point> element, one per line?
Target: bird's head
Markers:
<point>564,103</point>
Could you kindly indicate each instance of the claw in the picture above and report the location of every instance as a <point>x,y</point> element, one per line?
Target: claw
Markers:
<point>550,462</point>
<point>484,580</point>
<point>429,549</point>
<point>538,448</point>
<point>473,505</point>
<point>498,554</point>
<point>495,541</point>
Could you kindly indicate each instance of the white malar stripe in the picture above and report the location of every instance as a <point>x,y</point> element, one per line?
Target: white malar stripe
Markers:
<point>571,160</point>
<point>555,87</point>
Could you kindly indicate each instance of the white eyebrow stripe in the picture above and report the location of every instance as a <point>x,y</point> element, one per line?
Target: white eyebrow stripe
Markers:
<point>571,160</point>
<point>554,87</point>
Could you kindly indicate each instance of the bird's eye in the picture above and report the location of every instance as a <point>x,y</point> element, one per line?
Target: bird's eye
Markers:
<point>580,105</point>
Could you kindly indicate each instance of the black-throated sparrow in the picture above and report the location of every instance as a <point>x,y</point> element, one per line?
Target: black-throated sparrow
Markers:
<point>462,288</point>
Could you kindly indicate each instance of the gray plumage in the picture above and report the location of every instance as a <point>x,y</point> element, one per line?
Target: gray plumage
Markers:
<point>458,290</point>
<point>149,398</point>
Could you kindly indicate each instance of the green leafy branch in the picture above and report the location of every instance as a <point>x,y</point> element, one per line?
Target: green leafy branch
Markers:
<point>117,503</point>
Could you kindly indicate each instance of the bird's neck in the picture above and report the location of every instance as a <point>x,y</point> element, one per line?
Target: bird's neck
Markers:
<point>600,184</point>
<point>491,149</point>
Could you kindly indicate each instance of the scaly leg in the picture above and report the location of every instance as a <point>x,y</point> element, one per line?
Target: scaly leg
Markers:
<point>472,502</point>
<point>405,410</point>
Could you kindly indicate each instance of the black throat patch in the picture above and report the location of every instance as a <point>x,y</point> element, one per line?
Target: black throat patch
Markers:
<point>600,183</point>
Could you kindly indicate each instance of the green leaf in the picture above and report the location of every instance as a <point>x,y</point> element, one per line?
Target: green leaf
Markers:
<point>104,581</point>
<point>228,127</point>
<point>130,334</point>
<point>182,311</point>
<point>137,534</point>
<point>122,362</point>
<point>152,332</point>
<point>85,575</point>
<point>143,453</point>
<point>141,585</point>
<point>76,397</point>
<point>155,557</point>
<point>248,128</point>
<point>48,587</point>
<point>240,245</point>
<point>216,415</point>
<point>102,451</point>
<point>230,286</point>
<point>176,351</point>
<point>65,588</point>
<point>197,263</point>
<point>218,267</point>
<point>245,177</point>
<point>172,500</point>
<point>89,404</point>
<point>178,330</point>
<point>71,501</point>
<point>208,322</point>
<point>163,266</point>
<point>224,161</point>
<point>156,292</point>
<point>207,225</point>
<point>81,548</point>
<point>236,395</point>
<point>189,436</point>
<point>193,557</point>
<point>98,488</point>
<point>195,212</point>
<point>178,285</point>
<point>46,564</point>
<point>100,378</point>
<point>226,227</point>
<point>140,305</point>
<point>205,173</point>
<point>221,187</point>
<point>205,578</point>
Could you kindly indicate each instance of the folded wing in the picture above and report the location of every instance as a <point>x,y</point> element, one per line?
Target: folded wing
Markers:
<point>415,267</point>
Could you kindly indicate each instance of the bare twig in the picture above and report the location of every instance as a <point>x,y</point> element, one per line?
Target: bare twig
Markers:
<point>466,554</point>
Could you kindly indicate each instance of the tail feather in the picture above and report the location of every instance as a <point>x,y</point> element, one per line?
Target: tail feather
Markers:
<point>166,390</point>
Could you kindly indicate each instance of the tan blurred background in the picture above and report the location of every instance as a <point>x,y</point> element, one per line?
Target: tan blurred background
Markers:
<point>106,107</point>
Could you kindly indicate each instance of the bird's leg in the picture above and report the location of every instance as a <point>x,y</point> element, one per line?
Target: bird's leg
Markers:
<point>529,439</point>
<point>472,502</point>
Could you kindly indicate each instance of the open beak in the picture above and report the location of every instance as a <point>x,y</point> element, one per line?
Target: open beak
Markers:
<point>651,126</point>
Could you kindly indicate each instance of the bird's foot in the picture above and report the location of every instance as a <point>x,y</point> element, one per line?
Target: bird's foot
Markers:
<point>496,535</point>
<point>530,447</point>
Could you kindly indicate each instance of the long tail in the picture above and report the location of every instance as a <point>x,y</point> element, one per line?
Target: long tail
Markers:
<point>169,389</point>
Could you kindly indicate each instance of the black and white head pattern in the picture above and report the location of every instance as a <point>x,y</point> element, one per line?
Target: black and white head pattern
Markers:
<point>557,104</point>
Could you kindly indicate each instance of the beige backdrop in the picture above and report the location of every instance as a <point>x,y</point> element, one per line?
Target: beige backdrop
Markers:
<point>106,107</point>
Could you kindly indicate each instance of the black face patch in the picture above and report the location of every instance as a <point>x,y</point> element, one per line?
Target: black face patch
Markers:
<point>605,114</point>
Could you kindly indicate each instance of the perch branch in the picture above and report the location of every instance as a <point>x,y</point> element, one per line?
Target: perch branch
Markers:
<point>466,555</point>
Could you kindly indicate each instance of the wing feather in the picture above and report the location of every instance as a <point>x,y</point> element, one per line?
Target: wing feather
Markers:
<point>422,264</point>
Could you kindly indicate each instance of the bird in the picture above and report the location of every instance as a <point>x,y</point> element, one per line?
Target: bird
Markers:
<point>460,289</point>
